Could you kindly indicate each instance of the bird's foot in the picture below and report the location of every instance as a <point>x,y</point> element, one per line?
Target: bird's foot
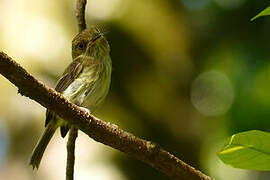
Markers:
<point>85,109</point>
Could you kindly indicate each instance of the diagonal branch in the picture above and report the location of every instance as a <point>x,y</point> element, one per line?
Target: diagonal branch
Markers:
<point>95,128</point>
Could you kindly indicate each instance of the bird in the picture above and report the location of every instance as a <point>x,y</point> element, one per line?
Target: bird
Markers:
<point>85,82</point>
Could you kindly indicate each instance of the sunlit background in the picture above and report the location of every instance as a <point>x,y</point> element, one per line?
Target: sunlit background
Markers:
<point>186,74</point>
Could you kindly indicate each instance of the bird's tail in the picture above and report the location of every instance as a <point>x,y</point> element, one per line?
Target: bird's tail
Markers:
<point>42,144</point>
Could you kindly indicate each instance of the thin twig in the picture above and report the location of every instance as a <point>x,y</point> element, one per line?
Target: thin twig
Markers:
<point>95,128</point>
<point>80,15</point>
<point>73,133</point>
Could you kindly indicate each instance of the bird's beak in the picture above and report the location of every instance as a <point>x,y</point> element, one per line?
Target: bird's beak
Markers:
<point>96,36</point>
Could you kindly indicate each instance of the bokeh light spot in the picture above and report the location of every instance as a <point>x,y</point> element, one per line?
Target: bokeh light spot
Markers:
<point>44,39</point>
<point>212,93</point>
<point>38,37</point>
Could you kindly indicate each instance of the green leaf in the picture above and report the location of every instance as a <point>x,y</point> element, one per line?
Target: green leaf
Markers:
<point>265,12</point>
<point>248,150</point>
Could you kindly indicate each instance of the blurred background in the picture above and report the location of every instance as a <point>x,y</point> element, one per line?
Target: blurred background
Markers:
<point>187,74</point>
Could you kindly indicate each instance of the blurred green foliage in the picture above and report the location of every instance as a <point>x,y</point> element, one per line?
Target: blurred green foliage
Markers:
<point>250,149</point>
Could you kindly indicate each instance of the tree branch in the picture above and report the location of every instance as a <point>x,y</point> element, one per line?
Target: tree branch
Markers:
<point>73,133</point>
<point>95,128</point>
<point>80,15</point>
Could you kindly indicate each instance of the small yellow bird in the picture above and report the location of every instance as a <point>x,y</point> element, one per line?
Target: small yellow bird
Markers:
<point>85,82</point>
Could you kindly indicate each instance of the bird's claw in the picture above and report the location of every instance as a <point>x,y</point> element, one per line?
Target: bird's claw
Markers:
<point>85,109</point>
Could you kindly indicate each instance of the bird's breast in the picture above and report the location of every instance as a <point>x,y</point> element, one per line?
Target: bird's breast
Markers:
<point>90,88</point>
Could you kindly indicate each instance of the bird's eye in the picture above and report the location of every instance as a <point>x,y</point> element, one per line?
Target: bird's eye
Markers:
<point>81,45</point>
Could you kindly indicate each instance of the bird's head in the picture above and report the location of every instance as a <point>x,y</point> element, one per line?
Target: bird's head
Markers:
<point>90,42</point>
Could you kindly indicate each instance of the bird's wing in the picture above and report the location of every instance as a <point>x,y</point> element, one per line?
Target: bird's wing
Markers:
<point>69,75</point>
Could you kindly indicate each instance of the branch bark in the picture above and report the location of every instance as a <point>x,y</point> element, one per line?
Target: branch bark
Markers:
<point>95,128</point>
<point>80,15</point>
<point>73,134</point>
